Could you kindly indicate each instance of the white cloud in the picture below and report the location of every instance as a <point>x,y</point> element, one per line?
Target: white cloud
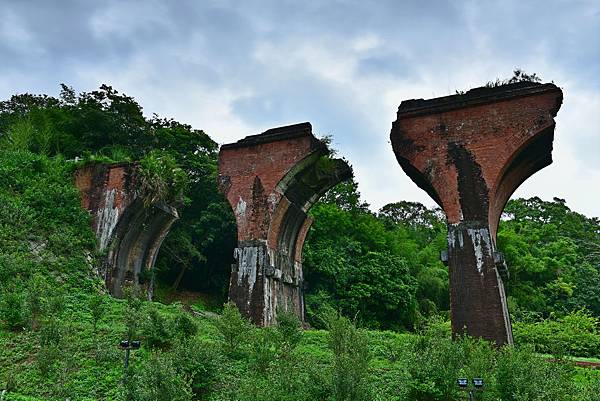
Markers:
<point>123,19</point>
<point>15,34</point>
<point>317,63</point>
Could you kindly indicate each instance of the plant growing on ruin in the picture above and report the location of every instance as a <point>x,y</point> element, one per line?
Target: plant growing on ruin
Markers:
<point>161,179</point>
<point>518,76</point>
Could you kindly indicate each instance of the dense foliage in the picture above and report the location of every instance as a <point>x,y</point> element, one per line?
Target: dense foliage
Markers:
<point>177,165</point>
<point>384,268</point>
<point>59,332</point>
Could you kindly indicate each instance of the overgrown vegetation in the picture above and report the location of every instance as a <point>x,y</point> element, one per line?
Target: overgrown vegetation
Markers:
<point>366,272</point>
<point>177,166</point>
<point>518,76</point>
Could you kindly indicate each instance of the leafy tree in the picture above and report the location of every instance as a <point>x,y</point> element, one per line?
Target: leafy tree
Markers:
<point>550,253</point>
<point>178,165</point>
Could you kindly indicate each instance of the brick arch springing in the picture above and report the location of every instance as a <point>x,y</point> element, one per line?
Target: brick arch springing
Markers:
<point>128,232</point>
<point>470,152</point>
<point>271,180</point>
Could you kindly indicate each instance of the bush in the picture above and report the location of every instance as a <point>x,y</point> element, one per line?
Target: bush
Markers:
<point>97,309</point>
<point>161,179</point>
<point>156,330</point>
<point>350,359</point>
<point>235,331</point>
<point>12,309</point>
<point>50,341</point>
<point>289,331</point>
<point>522,376</point>
<point>157,379</point>
<point>574,334</point>
<point>184,326</point>
<point>199,362</point>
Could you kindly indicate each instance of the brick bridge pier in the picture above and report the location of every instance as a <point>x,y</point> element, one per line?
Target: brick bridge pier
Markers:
<point>470,152</point>
<point>127,230</point>
<point>271,180</point>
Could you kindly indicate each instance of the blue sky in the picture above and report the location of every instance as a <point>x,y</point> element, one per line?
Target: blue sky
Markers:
<point>234,68</point>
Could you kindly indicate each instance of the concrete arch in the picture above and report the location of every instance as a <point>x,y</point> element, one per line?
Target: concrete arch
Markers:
<point>129,232</point>
<point>271,180</point>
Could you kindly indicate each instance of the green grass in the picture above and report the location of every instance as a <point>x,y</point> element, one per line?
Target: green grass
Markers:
<point>66,358</point>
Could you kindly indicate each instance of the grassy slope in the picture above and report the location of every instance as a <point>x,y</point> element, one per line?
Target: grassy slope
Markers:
<point>40,206</point>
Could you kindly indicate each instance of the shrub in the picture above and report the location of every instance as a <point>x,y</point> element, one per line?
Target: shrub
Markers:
<point>157,379</point>
<point>199,362</point>
<point>12,309</point>
<point>574,334</point>
<point>50,341</point>
<point>522,376</point>
<point>350,359</point>
<point>161,179</point>
<point>289,331</point>
<point>184,326</point>
<point>156,330</point>
<point>132,313</point>
<point>234,330</point>
<point>35,300</point>
<point>97,309</point>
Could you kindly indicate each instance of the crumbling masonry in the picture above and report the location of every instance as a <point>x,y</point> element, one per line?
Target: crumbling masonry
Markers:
<point>470,152</point>
<point>271,180</point>
<point>128,231</point>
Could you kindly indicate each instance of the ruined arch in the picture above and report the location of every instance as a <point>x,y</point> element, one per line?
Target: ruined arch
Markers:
<point>271,180</point>
<point>129,233</point>
<point>470,152</point>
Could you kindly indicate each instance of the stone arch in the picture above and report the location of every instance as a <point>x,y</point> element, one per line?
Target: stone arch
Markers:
<point>534,155</point>
<point>271,180</point>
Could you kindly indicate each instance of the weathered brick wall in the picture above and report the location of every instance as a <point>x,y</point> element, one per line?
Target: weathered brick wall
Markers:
<point>270,182</point>
<point>470,153</point>
<point>129,232</point>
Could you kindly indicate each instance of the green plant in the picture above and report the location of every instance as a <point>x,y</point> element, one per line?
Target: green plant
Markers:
<point>576,334</point>
<point>97,309</point>
<point>35,300</point>
<point>161,179</point>
<point>200,363</point>
<point>12,309</point>
<point>156,329</point>
<point>184,326</point>
<point>289,331</point>
<point>521,376</point>
<point>350,359</point>
<point>50,340</point>
<point>157,378</point>
<point>234,330</point>
<point>132,313</point>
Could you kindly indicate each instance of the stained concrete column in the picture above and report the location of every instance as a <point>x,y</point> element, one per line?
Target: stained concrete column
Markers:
<point>271,180</point>
<point>470,152</point>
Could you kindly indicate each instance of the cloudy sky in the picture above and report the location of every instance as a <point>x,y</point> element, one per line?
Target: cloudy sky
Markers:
<point>234,68</point>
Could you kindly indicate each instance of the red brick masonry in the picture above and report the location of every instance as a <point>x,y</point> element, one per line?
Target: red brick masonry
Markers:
<point>271,180</point>
<point>470,152</point>
<point>129,232</point>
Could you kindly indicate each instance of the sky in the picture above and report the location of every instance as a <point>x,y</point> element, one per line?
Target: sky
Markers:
<point>236,68</point>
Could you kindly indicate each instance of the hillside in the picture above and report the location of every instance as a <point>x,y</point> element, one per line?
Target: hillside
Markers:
<point>377,297</point>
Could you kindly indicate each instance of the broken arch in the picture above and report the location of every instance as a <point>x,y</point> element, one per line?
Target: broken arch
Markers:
<point>271,181</point>
<point>129,232</point>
